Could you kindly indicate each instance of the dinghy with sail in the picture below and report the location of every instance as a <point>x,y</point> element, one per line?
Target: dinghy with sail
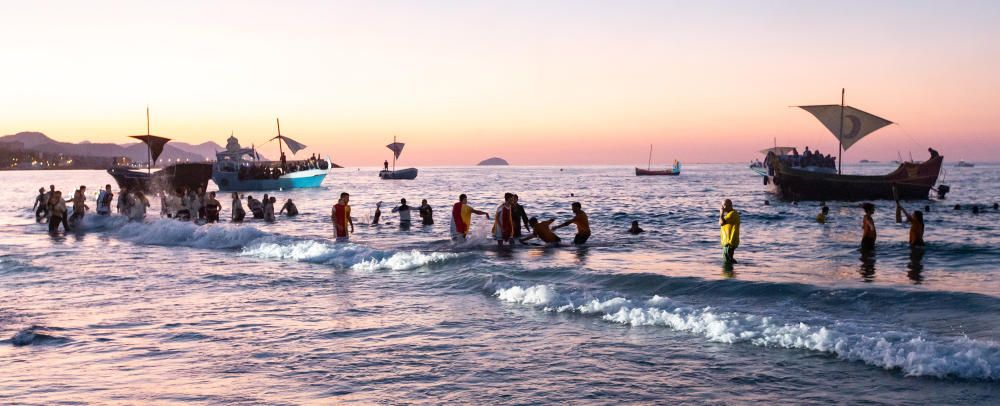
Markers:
<point>407,174</point>
<point>649,171</point>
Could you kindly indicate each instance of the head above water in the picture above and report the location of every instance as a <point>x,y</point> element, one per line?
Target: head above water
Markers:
<point>826,209</point>
<point>635,223</point>
<point>533,221</point>
<point>918,216</point>
<point>868,207</point>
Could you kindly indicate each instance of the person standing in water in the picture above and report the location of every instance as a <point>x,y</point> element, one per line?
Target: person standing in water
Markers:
<point>79,206</point>
<point>238,213</point>
<point>582,224</point>
<point>868,233</point>
<point>104,199</point>
<point>289,208</point>
<point>426,213</point>
<point>378,213</point>
<point>729,225</point>
<point>137,211</point>
<point>57,212</point>
<point>340,215</point>
<point>461,218</point>
<point>503,221</point>
<point>122,201</point>
<point>821,217</point>
<point>916,221</point>
<point>255,207</point>
<point>269,209</point>
<point>41,206</point>
<point>404,214</point>
<point>212,208</point>
<point>519,216</point>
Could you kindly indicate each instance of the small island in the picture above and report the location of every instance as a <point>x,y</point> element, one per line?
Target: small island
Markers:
<point>494,162</point>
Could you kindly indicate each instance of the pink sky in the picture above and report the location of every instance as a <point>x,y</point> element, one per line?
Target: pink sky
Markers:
<point>536,83</point>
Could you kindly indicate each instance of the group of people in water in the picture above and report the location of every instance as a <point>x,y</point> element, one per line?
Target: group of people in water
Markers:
<point>50,207</point>
<point>508,220</point>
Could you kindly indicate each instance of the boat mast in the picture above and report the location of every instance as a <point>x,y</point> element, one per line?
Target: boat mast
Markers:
<point>649,163</point>
<point>279,137</point>
<point>149,149</point>
<point>840,137</point>
<point>394,154</point>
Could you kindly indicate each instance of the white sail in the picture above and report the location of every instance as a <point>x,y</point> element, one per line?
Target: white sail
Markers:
<point>856,124</point>
<point>396,147</point>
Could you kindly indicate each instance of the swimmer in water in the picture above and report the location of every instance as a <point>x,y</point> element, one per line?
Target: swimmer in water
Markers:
<point>289,208</point>
<point>821,217</point>
<point>635,229</point>
<point>542,231</point>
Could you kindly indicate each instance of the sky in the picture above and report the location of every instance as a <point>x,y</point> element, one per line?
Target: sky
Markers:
<point>534,82</point>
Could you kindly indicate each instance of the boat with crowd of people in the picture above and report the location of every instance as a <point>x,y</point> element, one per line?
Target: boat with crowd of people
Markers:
<point>814,176</point>
<point>238,168</point>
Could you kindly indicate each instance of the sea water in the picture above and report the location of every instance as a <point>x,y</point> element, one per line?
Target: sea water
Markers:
<point>164,312</point>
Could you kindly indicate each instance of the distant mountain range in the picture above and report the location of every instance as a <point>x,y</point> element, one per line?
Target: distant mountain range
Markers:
<point>173,151</point>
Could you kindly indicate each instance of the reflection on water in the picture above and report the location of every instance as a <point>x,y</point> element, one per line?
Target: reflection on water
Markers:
<point>867,269</point>
<point>915,266</point>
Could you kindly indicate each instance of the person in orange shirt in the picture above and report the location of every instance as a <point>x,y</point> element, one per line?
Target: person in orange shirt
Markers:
<point>582,224</point>
<point>341,217</point>
<point>541,230</point>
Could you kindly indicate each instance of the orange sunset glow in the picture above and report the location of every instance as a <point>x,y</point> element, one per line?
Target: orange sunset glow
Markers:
<point>538,83</point>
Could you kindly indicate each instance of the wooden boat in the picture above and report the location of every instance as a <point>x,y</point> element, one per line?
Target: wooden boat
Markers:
<point>402,174</point>
<point>963,164</point>
<point>649,171</point>
<point>183,175</point>
<point>848,124</point>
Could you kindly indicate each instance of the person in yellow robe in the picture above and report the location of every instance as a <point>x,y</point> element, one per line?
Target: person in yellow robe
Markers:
<point>729,223</point>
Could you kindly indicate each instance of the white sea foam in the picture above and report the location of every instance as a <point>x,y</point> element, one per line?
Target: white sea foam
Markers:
<point>344,255</point>
<point>912,353</point>
<point>179,233</point>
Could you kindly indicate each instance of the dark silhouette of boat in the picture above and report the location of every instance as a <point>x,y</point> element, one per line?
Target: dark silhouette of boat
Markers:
<point>785,177</point>
<point>402,174</point>
<point>189,175</point>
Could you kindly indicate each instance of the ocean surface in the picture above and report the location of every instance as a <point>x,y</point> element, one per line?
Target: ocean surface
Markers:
<point>168,312</point>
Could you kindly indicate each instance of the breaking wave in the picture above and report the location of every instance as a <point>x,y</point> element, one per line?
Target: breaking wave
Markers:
<point>913,353</point>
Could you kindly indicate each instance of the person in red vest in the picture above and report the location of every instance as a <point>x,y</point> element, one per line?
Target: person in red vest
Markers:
<point>341,217</point>
<point>461,218</point>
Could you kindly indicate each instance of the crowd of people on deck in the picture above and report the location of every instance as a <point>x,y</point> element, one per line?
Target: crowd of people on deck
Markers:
<point>810,159</point>
<point>253,170</point>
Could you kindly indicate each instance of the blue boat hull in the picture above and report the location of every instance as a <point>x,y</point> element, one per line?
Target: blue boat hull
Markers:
<point>230,182</point>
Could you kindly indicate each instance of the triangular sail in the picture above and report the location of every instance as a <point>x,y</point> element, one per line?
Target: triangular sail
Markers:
<point>154,143</point>
<point>856,124</point>
<point>396,147</point>
<point>293,145</point>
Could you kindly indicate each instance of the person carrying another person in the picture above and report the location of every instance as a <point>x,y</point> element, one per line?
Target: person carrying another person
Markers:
<point>729,230</point>
<point>426,213</point>
<point>635,229</point>
<point>238,214</point>
<point>104,199</point>
<point>404,214</point>
<point>582,224</point>
<point>41,205</point>
<point>212,208</point>
<point>256,208</point>
<point>461,218</point>
<point>289,208</point>
<point>821,217</point>
<point>340,215</point>
<point>57,212</point>
<point>503,221</point>
<point>79,206</point>
<point>868,232</point>
<point>519,216</point>
<point>542,230</point>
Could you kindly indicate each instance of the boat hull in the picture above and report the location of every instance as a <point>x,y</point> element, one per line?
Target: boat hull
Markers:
<point>647,172</point>
<point>189,176</point>
<point>911,181</point>
<point>402,174</point>
<point>231,182</point>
